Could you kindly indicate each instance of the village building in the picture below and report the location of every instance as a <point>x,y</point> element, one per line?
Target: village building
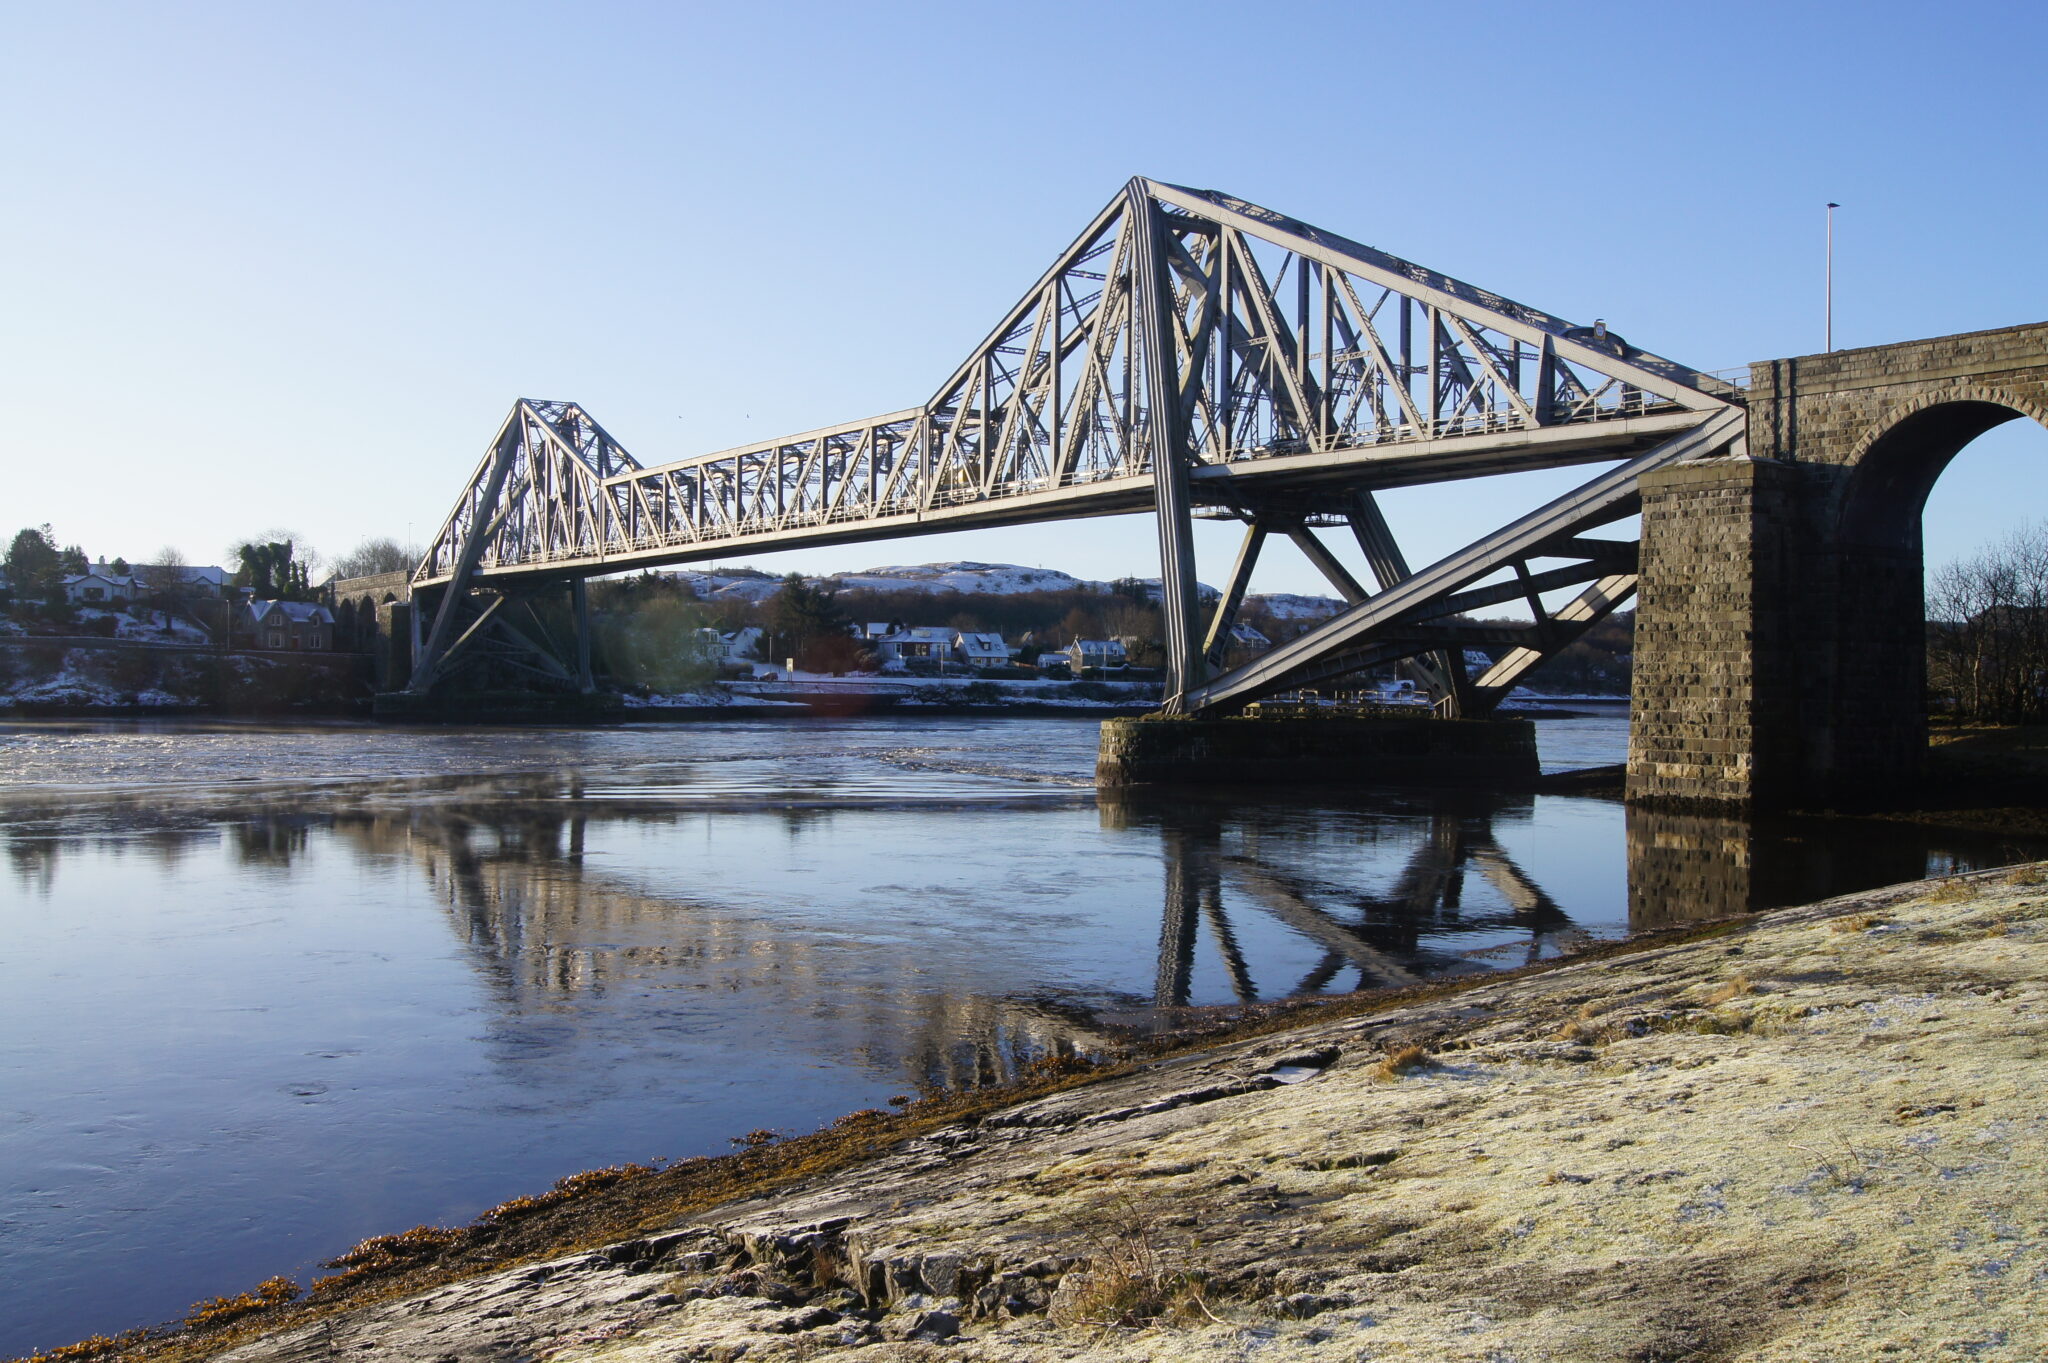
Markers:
<point>194,579</point>
<point>301,625</point>
<point>917,644</point>
<point>739,645</point>
<point>100,586</point>
<point>1084,654</point>
<point>981,650</point>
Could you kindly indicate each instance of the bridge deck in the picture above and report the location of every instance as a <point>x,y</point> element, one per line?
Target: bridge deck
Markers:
<point>1218,487</point>
<point>1189,355</point>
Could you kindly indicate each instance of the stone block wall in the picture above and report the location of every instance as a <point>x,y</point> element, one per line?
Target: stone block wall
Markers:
<point>1780,649</point>
<point>1709,686</point>
<point>1828,409</point>
<point>382,607</point>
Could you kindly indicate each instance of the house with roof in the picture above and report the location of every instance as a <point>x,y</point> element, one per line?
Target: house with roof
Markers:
<point>918,644</point>
<point>195,579</point>
<point>739,645</point>
<point>99,585</point>
<point>980,649</point>
<point>1083,654</point>
<point>1245,635</point>
<point>300,625</point>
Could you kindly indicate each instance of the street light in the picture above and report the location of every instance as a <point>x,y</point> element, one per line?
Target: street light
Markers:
<point>1831,275</point>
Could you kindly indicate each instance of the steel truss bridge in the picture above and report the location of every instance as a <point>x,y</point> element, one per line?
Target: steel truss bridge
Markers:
<point>1190,355</point>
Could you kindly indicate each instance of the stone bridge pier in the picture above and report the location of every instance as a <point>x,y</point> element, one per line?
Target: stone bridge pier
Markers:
<point>1780,646</point>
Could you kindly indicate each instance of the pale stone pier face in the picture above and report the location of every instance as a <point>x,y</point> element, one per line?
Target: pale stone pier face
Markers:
<point>1780,647</point>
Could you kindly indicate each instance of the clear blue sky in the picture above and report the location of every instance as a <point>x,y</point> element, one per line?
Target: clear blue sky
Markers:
<point>288,264</point>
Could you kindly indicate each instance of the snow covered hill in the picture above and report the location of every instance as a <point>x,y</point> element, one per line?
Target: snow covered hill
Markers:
<point>969,579</point>
<point>1002,579</point>
<point>1290,606</point>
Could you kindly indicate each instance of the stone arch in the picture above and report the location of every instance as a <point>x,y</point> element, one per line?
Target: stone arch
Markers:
<point>1897,462</point>
<point>1872,728</point>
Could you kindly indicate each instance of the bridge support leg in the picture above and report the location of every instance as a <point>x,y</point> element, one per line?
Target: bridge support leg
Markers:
<point>1220,624</point>
<point>1168,440</point>
<point>1441,673</point>
<point>430,659</point>
<point>579,595</point>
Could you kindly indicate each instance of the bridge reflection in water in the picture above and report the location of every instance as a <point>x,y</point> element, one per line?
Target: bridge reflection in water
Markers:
<point>1396,935</point>
<point>1270,900</point>
<point>555,937</point>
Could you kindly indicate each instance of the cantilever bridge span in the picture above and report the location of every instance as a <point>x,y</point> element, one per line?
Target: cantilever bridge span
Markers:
<point>1190,355</point>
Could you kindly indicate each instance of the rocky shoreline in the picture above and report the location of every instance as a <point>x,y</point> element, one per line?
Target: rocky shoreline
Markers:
<point>1815,1134</point>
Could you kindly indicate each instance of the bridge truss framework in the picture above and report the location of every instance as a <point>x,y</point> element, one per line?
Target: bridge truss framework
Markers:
<point>1190,354</point>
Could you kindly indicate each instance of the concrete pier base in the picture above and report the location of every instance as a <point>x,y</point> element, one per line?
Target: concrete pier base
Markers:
<point>1324,750</point>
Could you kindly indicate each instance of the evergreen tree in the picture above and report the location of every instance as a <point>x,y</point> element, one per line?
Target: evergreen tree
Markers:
<point>271,572</point>
<point>810,627</point>
<point>34,567</point>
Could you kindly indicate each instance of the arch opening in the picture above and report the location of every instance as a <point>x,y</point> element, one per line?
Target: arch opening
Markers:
<point>1877,724</point>
<point>1888,491</point>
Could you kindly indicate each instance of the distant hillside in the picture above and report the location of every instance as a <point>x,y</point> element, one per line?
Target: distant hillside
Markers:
<point>969,578</point>
<point>1044,608</point>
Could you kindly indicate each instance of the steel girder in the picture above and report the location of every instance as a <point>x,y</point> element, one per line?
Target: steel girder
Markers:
<point>1270,365</point>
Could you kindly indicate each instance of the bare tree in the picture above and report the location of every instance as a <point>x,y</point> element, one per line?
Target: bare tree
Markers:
<point>164,579</point>
<point>377,554</point>
<point>1987,633</point>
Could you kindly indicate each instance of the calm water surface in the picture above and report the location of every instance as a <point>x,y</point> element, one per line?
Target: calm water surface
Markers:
<point>265,991</point>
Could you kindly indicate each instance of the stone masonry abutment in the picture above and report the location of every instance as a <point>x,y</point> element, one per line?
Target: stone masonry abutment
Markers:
<point>1780,655</point>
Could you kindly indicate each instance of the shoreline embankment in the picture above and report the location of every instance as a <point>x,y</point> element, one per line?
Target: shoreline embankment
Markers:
<point>1813,1133</point>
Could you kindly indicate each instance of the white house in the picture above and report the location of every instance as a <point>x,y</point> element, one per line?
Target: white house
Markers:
<point>1086,653</point>
<point>740,644</point>
<point>99,587</point>
<point>981,650</point>
<point>919,643</point>
<point>198,579</point>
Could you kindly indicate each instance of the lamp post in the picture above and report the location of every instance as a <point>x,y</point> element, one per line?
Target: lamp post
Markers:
<point>1831,276</point>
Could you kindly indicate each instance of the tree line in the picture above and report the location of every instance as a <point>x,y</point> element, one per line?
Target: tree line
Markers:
<point>1987,633</point>
<point>275,565</point>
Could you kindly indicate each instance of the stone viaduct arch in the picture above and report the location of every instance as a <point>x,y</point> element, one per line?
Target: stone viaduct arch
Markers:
<point>1780,650</point>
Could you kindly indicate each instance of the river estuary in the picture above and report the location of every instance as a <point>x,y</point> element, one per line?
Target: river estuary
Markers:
<point>266,990</point>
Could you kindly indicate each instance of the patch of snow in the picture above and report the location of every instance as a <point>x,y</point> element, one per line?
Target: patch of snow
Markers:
<point>1293,606</point>
<point>965,576</point>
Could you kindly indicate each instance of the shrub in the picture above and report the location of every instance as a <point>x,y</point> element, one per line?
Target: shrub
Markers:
<point>1126,1282</point>
<point>1735,988</point>
<point>1401,1060</point>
